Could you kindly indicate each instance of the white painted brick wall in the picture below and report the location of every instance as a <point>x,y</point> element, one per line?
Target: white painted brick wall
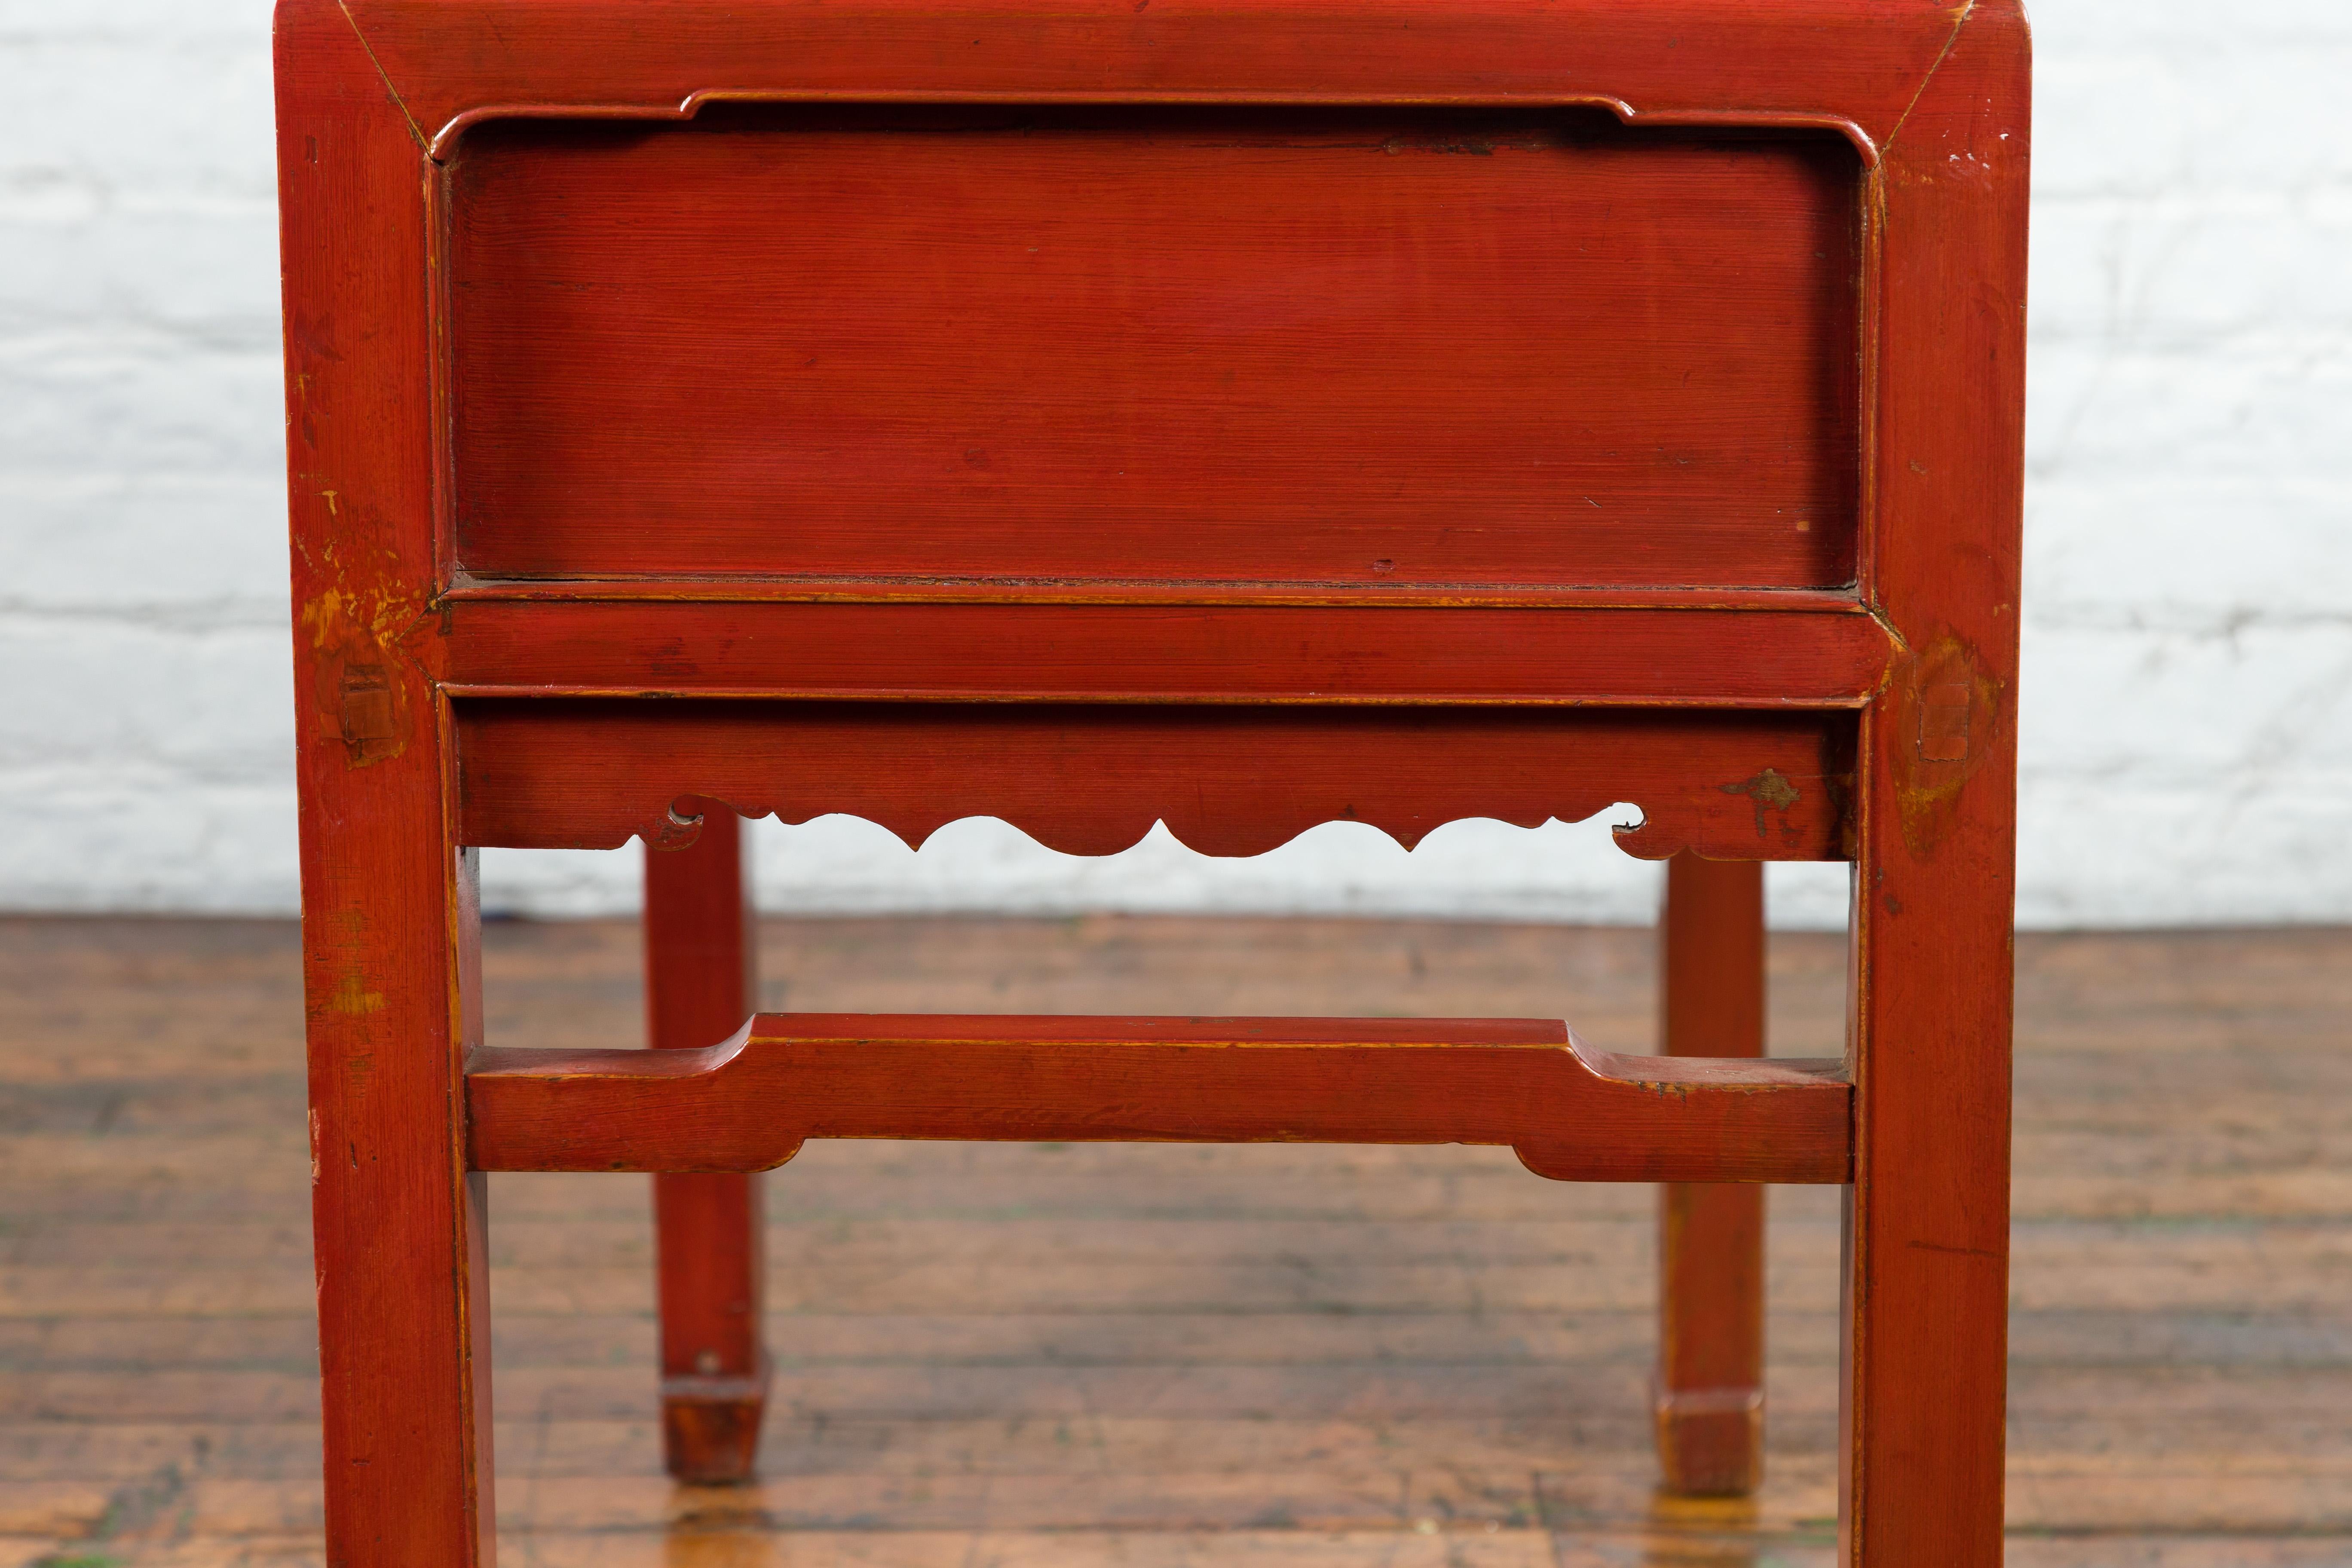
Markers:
<point>2188,753</point>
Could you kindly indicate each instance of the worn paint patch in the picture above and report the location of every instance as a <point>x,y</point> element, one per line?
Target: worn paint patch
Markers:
<point>1944,724</point>
<point>1947,720</point>
<point>358,692</point>
<point>1771,790</point>
<point>352,998</point>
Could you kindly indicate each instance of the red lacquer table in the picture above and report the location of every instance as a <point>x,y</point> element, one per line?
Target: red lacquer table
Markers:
<point>1240,414</point>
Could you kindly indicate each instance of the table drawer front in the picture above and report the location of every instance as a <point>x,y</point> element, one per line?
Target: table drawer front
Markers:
<point>1331,347</point>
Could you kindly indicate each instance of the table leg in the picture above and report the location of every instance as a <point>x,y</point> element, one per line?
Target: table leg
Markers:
<point>701,983</point>
<point>1708,1392</point>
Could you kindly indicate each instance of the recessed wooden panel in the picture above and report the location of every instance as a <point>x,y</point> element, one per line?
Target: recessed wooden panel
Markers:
<point>1126,345</point>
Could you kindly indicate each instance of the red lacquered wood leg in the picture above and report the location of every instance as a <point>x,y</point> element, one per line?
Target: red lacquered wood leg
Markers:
<point>1925,1366</point>
<point>391,929</point>
<point>1709,1390</point>
<point>701,983</point>
<point>390,920</point>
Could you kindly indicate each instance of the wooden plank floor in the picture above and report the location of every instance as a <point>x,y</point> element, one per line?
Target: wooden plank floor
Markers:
<point>1152,1356</point>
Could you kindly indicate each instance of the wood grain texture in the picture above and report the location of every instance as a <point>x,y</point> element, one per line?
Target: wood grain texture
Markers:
<point>1091,780</point>
<point>407,257</point>
<point>1332,347</point>
<point>1008,1352</point>
<point>1927,1285</point>
<point>1708,1390</point>
<point>1571,1112</point>
<point>387,898</point>
<point>1755,651</point>
<point>702,981</point>
<point>1854,65</point>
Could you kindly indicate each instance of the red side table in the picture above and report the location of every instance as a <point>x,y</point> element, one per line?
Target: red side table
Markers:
<point>1235,415</point>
